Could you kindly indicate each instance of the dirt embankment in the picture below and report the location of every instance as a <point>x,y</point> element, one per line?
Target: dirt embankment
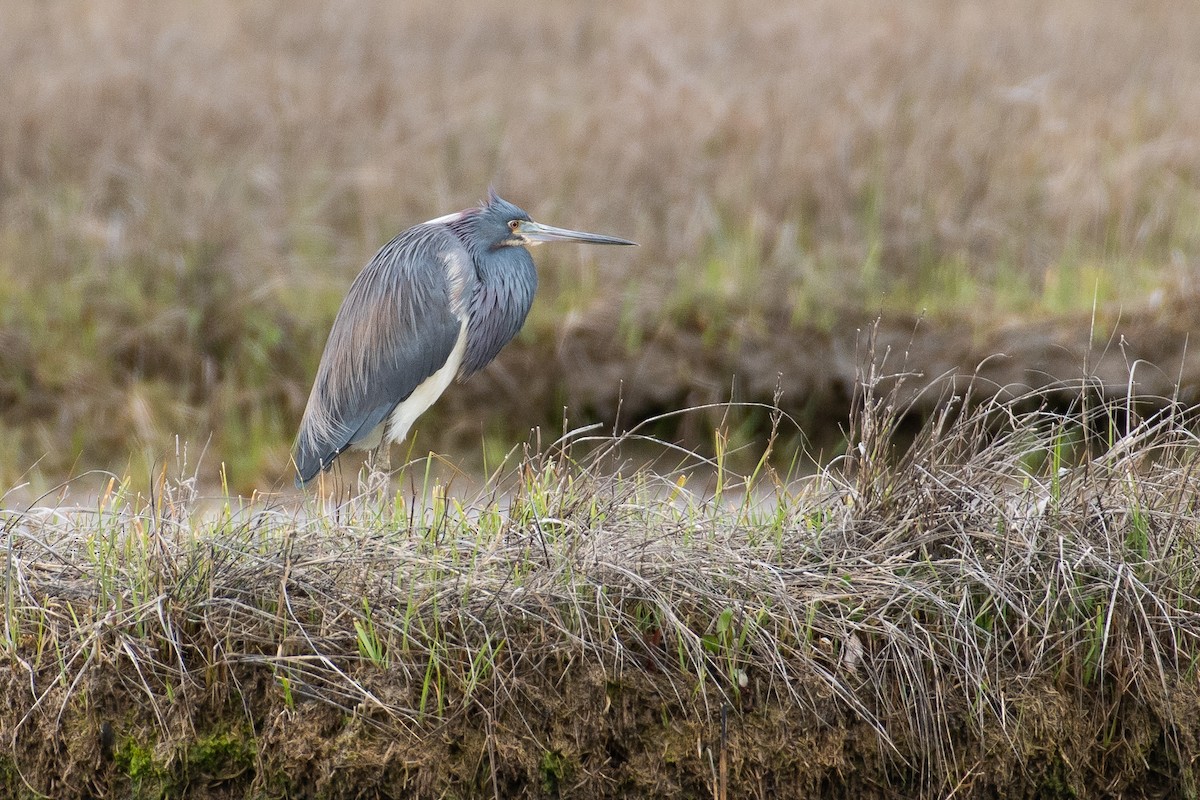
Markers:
<point>813,371</point>
<point>574,732</point>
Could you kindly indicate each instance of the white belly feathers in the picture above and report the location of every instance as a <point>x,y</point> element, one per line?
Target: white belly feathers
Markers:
<point>396,426</point>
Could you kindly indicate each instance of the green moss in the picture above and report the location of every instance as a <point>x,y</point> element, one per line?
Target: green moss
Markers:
<point>149,778</point>
<point>11,784</point>
<point>1056,782</point>
<point>554,769</point>
<point>221,754</point>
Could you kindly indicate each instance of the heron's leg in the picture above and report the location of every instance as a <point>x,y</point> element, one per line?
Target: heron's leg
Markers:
<point>377,472</point>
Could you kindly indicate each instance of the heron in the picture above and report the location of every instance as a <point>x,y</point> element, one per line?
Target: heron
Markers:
<point>437,302</point>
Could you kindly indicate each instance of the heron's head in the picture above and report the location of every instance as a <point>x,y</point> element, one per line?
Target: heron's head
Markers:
<point>504,225</point>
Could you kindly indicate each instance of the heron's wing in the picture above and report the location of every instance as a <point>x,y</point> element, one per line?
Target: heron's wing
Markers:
<point>397,326</point>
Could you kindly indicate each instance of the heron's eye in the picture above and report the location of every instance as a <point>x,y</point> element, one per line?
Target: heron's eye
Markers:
<point>513,225</point>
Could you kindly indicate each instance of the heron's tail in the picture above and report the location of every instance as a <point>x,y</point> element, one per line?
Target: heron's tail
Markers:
<point>314,453</point>
<point>317,448</point>
<point>310,460</point>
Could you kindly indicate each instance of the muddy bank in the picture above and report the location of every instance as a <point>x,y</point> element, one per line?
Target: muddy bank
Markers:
<point>591,367</point>
<point>970,620</point>
<point>574,731</point>
<point>593,370</point>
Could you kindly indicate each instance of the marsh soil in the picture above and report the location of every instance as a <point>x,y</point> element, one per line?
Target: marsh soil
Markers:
<point>762,356</point>
<point>573,731</point>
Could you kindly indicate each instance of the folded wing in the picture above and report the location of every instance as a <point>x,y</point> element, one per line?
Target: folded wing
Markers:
<point>397,326</point>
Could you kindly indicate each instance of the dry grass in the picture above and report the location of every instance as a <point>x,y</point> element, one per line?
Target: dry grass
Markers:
<point>185,191</point>
<point>1009,605</point>
<point>1017,132</point>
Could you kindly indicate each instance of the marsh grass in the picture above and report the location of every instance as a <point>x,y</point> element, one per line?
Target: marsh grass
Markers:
<point>1008,601</point>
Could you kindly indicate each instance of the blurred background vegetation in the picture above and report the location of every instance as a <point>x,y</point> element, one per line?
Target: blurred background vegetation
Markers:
<point>186,191</point>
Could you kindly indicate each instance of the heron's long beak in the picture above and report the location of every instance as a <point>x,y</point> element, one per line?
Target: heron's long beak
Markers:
<point>537,233</point>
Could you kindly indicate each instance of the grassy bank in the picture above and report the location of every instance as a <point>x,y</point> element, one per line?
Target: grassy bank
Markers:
<point>185,193</point>
<point>1006,606</point>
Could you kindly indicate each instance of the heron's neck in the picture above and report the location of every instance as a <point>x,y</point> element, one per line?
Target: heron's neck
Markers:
<point>503,296</point>
<point>509,273</point>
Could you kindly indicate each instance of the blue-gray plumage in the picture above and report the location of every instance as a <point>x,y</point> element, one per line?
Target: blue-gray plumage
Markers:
<point>437,302</point>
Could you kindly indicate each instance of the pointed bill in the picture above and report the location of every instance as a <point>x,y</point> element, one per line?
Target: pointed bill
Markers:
<point>536,233</point>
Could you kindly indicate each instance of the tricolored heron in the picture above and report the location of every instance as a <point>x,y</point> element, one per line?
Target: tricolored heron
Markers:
<point>438,301</point>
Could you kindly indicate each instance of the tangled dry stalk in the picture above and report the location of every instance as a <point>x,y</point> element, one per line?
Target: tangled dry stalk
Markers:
<point>1010,602</point>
